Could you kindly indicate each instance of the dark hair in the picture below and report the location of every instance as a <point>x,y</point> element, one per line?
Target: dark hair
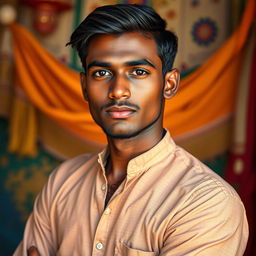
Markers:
<point>121,18</point>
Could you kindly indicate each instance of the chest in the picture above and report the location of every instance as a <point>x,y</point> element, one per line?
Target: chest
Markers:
<point>134,218</point>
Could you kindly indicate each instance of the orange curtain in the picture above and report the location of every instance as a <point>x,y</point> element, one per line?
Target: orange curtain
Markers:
<point>205,96</point>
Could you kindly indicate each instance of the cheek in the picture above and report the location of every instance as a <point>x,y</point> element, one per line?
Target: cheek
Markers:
<point>96,95</point>
<point>94,101</point>
<point>151,106</point>
<point>153,92</point>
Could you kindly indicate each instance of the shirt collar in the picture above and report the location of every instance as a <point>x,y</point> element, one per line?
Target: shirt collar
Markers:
<point>145,160</point>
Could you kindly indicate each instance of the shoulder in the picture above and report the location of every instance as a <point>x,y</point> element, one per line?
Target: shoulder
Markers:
<point>70,172</point>
<point>206,193</point>
<point>72,165</point>
<point>202,190</point>
<point>210,206</point>
<point>209,218</point>
<point>198,179</point>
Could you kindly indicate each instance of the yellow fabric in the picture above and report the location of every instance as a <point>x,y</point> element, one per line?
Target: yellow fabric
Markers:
<point>205,96</point>
<point>23,128</point>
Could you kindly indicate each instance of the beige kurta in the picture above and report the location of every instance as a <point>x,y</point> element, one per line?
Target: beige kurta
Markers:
<point>169,204</point>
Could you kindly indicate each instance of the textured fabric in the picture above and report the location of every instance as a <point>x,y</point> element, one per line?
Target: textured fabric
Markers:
<point>169,204</point>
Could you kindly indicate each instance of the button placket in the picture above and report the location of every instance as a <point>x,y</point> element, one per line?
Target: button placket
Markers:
<point>102,231</point>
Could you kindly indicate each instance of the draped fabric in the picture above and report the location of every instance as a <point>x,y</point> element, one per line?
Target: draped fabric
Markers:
<point>205,97</point>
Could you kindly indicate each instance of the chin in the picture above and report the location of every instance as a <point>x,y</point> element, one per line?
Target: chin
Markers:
<point>125,132</point>
<point>122,133</point>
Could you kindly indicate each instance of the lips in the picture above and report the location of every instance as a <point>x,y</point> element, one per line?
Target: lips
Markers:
<point>121,112</point>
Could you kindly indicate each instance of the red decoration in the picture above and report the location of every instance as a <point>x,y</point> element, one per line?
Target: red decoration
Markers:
<point>171,14</point>
<point>46,13</point>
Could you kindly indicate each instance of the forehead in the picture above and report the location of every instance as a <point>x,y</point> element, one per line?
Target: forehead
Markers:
<point>123,47</point>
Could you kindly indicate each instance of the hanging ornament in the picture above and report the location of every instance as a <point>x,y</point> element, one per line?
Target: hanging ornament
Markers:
<point>46,14</point>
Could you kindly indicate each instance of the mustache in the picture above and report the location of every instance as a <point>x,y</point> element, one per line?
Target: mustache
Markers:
<point>124,103</point>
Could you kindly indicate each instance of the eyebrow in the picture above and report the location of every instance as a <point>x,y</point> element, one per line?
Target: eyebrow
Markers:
<point>99,64</point>
<point>142,62</point>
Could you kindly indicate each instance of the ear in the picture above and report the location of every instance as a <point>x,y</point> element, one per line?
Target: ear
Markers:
<point>171,84</point>
<point>83,84</point>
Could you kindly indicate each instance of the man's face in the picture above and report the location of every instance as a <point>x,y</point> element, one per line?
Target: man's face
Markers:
<point>124,84</point>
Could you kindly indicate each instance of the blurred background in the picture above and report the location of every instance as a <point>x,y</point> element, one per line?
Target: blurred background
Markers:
<point>44,120</point>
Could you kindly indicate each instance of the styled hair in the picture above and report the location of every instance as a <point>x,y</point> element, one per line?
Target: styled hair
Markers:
<point>122,18</point>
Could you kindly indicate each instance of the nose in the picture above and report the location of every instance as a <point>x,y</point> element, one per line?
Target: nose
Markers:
<point>120,88</point>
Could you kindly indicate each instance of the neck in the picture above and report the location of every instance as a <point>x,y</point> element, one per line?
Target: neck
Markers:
<point>121,151</point>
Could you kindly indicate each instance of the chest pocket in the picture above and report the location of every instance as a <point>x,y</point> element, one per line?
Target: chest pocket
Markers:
<point>124,250</point>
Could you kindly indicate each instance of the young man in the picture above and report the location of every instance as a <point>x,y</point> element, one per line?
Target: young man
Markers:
<point>142,195</point>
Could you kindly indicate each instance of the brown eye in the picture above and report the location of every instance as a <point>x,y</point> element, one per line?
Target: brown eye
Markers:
<point>139,72</point>
<point>101,73</point>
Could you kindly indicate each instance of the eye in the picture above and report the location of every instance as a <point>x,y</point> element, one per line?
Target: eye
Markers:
<point>101,73</point>
<point>139,72</point>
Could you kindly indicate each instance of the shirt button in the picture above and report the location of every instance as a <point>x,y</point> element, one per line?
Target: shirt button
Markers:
<point>103,187</point>
<point>108,211</point>
<point>99,246</point>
